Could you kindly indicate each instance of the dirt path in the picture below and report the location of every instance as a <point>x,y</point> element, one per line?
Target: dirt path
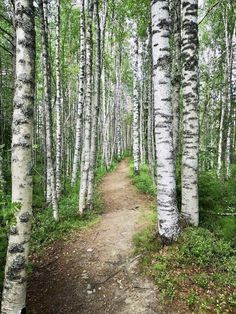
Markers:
<point>95,272</point>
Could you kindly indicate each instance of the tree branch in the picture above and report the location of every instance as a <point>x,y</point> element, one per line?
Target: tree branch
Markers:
<point>6,49</point>
<point>6,19</point>
<point>208,11</point>
<point>6,32</point>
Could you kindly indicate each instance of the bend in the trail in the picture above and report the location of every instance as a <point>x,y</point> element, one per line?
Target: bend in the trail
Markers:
<point>96,272</point>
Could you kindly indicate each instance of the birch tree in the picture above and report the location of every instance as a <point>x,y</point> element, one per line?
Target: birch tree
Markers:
<point>189,209</point>
<point>95,109</point>
<point>58,104</point>
<point>166,183</point>
<point>176,68</point>
<point>14,290</point>
<point>78,134</point>
<point>51,180</point>
<point>136,151</point>
<point>87,115</point>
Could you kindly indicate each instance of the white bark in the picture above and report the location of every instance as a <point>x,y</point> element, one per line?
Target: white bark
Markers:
<point>176,70</point>
<point>14,290</point>
<point>58,105</point>
<point>190,210</point>
<point>78,134</point>
<point>118,103</point>
<point>95,112</point>
<point>228,89</point>
<point>87,115</point>
<point>47,107</point>
<point>136,152</point>
<point>166,184</point>
<point>220,141</point>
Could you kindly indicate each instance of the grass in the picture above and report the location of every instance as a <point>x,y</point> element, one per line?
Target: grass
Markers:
<point>143,181</point>
<point>44,229</point>
<point>198,273</point>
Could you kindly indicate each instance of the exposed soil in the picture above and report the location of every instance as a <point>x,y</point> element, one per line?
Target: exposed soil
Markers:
<point>95,271</point>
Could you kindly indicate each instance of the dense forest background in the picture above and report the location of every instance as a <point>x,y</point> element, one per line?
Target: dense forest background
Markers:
<point>95,102</point>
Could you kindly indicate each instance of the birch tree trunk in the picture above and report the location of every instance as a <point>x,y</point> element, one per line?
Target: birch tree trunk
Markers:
<point>78,133</point>
<point>96,107</point>
<point>58,105</point>
<point>228,81</point>
<point>166,184</point>
<point>190,210</point>
<point>136,152</point>
<point>176,69</point>
<point>14,290</point>
<point>220,141</point>
<point>118,103</point>
<point>47,106</point>
<point>87,114</point>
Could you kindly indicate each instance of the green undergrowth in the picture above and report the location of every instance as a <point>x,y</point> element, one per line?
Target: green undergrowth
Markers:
<point>45,230</point>
<point>198,273</point>
<point>217,197</point>
<point>143,181</point>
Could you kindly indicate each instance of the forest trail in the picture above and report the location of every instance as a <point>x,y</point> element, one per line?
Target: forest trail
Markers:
<point>96,271</point>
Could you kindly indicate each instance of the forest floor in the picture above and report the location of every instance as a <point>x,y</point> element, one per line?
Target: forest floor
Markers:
<point>95,270</point>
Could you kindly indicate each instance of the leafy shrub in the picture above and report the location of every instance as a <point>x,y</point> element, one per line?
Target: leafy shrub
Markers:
<point>202,247</point>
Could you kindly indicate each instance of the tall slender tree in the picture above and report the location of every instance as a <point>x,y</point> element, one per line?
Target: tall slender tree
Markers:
<point>81,97</point>
<point>87,114</point>
<point>14,290</point>
<point>95,108</point>
<point>166,183</point>
<point>51,178</point>
<point>189,207</point>
<point>136,151</point>
<point>58,105</point>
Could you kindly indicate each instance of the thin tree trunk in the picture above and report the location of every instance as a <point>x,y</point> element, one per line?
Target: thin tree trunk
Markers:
<point>87,115</point>
<point>136,152</point>
<point>78,134</point>
<point>220,141</point>
<point>96,107</point>
<point>190,210</point>
<point>176,69</point>
<point>47,107</point>
<point>14,290</point>
<point>58,105</point>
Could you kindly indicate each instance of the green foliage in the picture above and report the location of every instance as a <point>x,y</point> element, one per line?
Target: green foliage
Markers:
<point>202,247</point>
<point>7,218</point>
<point>143,181</point>
<point>46,230</point>
<point>218,196</point>
<point>199,261</point>
<point>192,299</point>
<point>202,280</point>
